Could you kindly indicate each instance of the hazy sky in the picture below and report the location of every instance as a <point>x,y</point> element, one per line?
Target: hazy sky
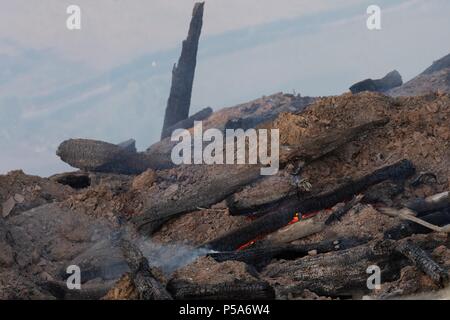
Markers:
<point>111,79</point>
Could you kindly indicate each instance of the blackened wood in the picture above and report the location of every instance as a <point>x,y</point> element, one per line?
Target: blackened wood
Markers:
<point>76,180</point>
<point>129,145</point>
<point>336,273</point>
<point>422,178</point>
<point>148,287</point>
<point>430,204</point>
<point>187,123</point>
<point>423,262</point>
<point>282,213</point>
<point>263,191</point>
<point>260,256</point>
<point>338,214</point>
<point>183,73</point>
<point>315,148</point>
<point>408,228</point>
<point>99,156</point>
<point>392,80</point>
<point>210,184</point>
<point>183,290</point>
<point>383,193</point>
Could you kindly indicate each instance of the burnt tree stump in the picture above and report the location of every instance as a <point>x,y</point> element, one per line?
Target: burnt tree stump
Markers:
<point>183,74</point>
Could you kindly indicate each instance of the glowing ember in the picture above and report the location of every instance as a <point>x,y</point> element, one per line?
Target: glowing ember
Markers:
<point>248,244</point>
<point>295,219</point>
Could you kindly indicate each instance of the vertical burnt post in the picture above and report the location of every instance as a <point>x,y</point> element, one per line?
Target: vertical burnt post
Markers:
<point>183,73</point>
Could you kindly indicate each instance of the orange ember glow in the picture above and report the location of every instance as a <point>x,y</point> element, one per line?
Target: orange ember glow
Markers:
<point>248,244</point>
<point>295,219</point>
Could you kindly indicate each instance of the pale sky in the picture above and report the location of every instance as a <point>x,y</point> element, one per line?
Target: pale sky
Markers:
<point>128,28</point>
<point>111,79</point>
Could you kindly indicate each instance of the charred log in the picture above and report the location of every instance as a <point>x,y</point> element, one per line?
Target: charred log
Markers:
<point>423,262</point>
<point>396,172</point>
<point>183,290</point>
<point>183,74</point>
<point>281,214</point>
<point>213,183</point>
<point>310,226</point>
<point>383,193</point>
<point>99,156</point>
<point>315,148</point>
<point>336,273</point>
<point>259,193</point>
<point>129,145</point>
<point>261,256</point>
<point>148,287</point>
<point>75,180</point>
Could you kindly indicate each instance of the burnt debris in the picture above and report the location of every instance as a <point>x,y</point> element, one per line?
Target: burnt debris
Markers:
<point>392,80</point>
